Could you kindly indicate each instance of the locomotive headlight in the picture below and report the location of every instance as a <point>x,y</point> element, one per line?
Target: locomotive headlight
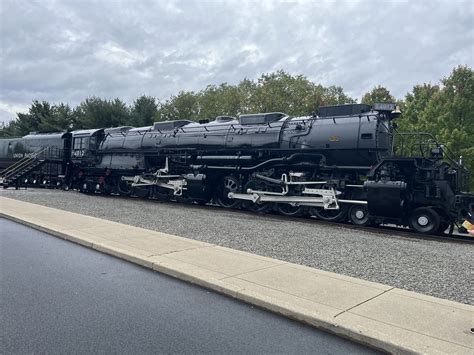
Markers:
<point>97,187</point>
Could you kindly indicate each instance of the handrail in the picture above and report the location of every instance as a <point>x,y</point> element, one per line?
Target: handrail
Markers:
<point>430,141</point>
<point>463,173</point>
<point>14,165</point>
<point>21,163</point>
<point>24,164</point>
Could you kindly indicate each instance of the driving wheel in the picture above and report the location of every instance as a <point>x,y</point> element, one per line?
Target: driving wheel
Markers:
<point>260,207</point>
<point>329,215</point>
<point>229,184</point>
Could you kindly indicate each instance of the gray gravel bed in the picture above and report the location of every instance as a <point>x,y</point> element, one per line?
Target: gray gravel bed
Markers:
<point>437,268</point>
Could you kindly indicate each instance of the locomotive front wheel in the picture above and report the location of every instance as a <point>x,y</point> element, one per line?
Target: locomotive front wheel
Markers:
<point>425,220</point>
<point>359,215</point>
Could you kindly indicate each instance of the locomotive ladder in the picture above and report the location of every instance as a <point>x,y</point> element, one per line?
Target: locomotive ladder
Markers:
<point>22,167</point>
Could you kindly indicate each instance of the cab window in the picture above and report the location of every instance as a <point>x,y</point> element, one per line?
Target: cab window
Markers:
<point>80,147</point>
<point>77,143</point>
<point>81,143</point>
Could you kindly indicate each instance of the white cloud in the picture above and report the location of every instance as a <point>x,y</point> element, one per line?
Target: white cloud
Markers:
<point>65,51</point>
<point>251,54</point>
<point>112,53</point>
<point>9,110</point>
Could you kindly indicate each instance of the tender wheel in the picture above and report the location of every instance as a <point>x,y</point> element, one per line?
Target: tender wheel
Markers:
<point>229,184</point>
<point>329,215</point>
<point>359,215</point>
<point>425,220</point>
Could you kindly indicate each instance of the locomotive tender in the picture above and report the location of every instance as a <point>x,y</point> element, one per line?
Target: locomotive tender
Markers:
<point>339,165</point>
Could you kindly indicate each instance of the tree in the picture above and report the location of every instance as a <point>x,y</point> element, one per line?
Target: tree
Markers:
<point>60,119</point>
<point>377,94</point>
<point>246,91</point>
<point>222,100</point>
<point>7,129</point>
<point>95,112</point>
<point>447,112</point>
<point>450,114</point>
<point>143,111</point>
<point>38,114</point>
<point>334,95</point>
<point>295,95</point>
<point>183,106</point>
<point>282,92</point>
<point>278,91</point>
<point>415,104</point>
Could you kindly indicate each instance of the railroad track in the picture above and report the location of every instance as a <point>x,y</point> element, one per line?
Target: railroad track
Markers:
<point>389,230</point>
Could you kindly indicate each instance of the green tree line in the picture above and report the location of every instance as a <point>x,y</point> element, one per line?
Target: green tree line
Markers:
<point>279,91</point>
<point>444,109</point>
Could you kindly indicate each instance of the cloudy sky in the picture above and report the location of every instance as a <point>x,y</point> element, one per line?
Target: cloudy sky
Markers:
<point>67,50</point>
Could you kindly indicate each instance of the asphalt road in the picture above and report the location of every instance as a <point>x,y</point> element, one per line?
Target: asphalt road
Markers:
<point>58,297</point>
<point>437,268</point>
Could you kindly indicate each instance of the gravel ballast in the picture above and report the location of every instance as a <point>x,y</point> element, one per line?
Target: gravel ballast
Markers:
<point>437,268</point>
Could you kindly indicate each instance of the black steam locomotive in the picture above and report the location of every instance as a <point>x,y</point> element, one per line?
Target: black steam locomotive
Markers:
<point>343,164</point>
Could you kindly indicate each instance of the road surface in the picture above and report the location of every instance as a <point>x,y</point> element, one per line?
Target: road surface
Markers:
<point>58,297</point>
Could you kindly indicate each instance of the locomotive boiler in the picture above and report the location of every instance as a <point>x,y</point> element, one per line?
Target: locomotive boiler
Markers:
<point>340,164</point>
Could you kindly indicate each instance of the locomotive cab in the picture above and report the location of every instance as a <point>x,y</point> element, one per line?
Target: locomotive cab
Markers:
<point>85,144</point>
